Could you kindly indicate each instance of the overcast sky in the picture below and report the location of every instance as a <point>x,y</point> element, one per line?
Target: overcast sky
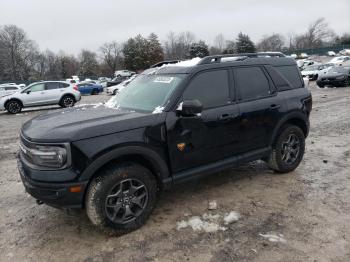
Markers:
<point>71,25</point>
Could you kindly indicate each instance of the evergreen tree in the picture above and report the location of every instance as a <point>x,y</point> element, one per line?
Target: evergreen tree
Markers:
<point>230,48</point>
<point>199,49</point>
<point>140,53</point>
<point>244,44</point>
<point>155,50</point>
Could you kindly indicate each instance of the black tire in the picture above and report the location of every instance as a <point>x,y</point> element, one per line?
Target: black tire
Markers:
<point>347,82</point>
<point>67,101</point>
<point>286,155</point>
<point>315,77</point>
<point>109,192</point>
<point>320,85</point>
<point>13,106</point>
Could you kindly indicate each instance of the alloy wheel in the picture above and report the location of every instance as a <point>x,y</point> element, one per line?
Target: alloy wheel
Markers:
<point>290,149</point>
<point>126,201</point>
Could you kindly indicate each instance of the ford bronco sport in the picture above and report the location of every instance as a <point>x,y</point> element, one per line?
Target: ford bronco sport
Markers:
<point>171,124</point>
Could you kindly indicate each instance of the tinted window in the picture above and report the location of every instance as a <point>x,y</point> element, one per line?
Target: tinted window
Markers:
<point>210,88</point>
<point>52,85</point>
<point>252,82</point>
<point>11,88</point>
<point>63,85</point>
<point>37,87</point>
<point>291,73</point>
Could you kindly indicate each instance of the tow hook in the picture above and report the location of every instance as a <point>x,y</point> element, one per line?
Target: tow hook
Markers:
<point>39,202</point>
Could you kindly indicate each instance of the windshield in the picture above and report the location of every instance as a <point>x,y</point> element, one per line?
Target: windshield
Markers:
<point>338,69</point>
<point>311,68</point>
<point>146,92</point>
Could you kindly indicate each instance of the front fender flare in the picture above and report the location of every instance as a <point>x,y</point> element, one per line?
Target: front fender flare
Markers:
<point>157,162</point>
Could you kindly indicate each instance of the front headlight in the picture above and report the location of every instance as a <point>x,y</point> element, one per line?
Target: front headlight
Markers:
<point>52,156</point>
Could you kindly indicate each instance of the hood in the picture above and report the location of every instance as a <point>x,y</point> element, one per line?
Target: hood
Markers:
<point>83,122</point>
<point>326,75</point>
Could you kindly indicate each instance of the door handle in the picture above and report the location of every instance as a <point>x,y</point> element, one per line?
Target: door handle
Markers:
<point>42,93</point>
<point>274,106</point>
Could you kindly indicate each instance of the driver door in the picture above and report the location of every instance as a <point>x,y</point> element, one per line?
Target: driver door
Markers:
<point>211,135</point>
<point>34,95</point>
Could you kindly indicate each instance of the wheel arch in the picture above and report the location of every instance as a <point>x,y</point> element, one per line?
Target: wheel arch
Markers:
<point>13,99</point>
<point>294,118</point>
<point>138,154</point>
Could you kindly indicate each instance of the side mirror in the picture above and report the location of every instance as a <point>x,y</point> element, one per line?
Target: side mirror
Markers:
<point>190,108</point>
<point>28,92</point>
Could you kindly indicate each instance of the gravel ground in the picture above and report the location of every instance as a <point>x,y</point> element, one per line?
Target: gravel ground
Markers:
<point>300,216</point>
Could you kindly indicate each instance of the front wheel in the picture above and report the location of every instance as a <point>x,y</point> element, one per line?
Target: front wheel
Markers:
<point>13,107</point>
<point>121,198</point>
<point>287,150</point>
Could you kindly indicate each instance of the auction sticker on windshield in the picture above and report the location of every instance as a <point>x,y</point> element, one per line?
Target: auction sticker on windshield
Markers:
<point>163,79</point>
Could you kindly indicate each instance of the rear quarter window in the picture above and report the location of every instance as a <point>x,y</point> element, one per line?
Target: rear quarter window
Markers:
<point>287,77</point>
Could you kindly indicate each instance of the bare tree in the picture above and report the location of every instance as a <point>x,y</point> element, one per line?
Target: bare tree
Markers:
<point>318,32</point>
<point>178,46</point>
<point>220,42</point>
<point>274,42</point>
<point>111,56</point>
<point>17,53</point>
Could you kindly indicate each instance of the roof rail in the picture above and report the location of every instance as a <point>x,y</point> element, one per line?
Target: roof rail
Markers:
<point>242,56</point>
<point>159,64</point>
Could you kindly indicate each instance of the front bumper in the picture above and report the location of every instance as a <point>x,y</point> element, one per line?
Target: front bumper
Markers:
<point>58,195</point>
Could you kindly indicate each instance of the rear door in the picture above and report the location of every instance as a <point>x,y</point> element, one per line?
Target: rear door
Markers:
<point>211,135</point>
<point>53,92</point>
<point>260,107</point>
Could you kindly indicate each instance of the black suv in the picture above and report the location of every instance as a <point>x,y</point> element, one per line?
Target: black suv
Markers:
<point>171,124</point>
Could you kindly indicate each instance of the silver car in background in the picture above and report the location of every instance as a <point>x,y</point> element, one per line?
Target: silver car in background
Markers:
<point>9,89</point>
<point>40,94</point>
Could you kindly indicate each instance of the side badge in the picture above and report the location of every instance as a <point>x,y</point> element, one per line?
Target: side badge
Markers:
<point>181,146</point>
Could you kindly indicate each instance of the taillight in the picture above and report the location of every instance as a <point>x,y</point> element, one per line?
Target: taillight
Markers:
<point>75,87</point>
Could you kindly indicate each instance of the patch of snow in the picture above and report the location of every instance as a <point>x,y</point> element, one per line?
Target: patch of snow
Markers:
<point>274,238</point>
<point>209,222</point>
<point>97,105</point>
<point>231,217</point>
<point>187,63</point>
<point>158,110</point>
<point>212,205</point>
<point>197,224</point>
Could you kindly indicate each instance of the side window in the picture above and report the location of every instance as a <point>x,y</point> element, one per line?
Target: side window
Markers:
<point>291,73</point>
<point>63,85</point>
<point>37,87</point>
<point>211,88</point>
<point>52,85</point>
<point>10,88</point>
<point>252,82</point>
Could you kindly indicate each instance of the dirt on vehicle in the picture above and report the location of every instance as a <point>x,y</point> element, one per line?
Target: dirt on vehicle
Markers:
<point>244,214</point>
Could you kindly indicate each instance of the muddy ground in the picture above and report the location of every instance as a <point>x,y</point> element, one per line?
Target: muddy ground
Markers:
<point>308,210</point>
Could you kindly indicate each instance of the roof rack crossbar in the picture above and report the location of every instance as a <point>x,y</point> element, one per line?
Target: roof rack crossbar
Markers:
<point>242,56</point>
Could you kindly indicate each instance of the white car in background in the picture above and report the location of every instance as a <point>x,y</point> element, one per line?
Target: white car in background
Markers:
<point>340,59</point>
<point>40,94</point>
<point>113,90</point>
<point>9,89</point>
<point>120,73</point>
<point>302,63</point>
<point>312,72</point>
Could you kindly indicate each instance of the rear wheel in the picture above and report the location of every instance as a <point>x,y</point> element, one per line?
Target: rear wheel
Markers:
<point>13,107</point>
<point>121,198</point>
<point>67,101</point>
<point>287,150</point>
